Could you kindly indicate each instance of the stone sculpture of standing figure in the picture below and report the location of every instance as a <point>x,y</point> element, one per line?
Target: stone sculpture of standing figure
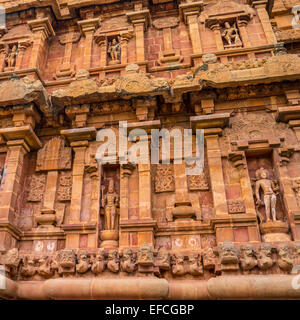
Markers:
<point>110,203</point>
<point>269,188</point>
<point>11,57</point>
<point>114,49</point>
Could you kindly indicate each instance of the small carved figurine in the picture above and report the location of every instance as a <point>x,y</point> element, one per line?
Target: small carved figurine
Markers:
<point>145,256</point>
<point>12,261</point>
<point>265,260</point>
<point>231,34</point>
<point>99,262</point>
<point>195,266</point>
<point>83,262</point>
<point>110,203</point>
<point>128,261</point>
<point>114,49</point>
<point>248,260</point>
<point>28,268</point>
<point>113,261</point>
<point>285,260</point>
<point>209,259</point>
<point>163,259</point>
<point>11,57</point>
<point>178,264</point>
<point>45,269</point>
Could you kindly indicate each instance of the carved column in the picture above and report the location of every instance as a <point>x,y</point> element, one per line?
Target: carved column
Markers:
<point>239,161</point>
<point>260,6</point>
<point>243,32</point>
<point>20,140</point>
<point>22,46</point>
<point>42,30</point>
<point>66,69</point>
<point>88,28</point>
<point>287,194</point>
<point>189,13</point>
<point>126,171</point>
<point>140,20</point>
<point>3,53</point>
<point>125,36</point>
<point>79,141</point>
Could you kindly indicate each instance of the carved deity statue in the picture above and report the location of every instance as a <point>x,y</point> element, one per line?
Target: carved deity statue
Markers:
<point>11,57</point>
<point>99,262</point>
<point>110,203</point>
<point>114,49</point>
<point>230,34</point>
<point>269,188</point>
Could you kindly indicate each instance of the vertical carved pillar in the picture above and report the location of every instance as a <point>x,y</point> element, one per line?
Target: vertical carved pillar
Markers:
<point>17,149</point>
<point>79,141</point>
<point>243,32</point>
<point>140,20</point>
<point>181,188</point>
<point>88,28</point>
<point>239,161</point>
<point>217,32</point>
<point>126,171</point>
<point>22,46</point>
<point>192,21</point>
<point>262,13</point>
<point>3,53</point>
<point>79,148</point>
<point>50,192</point>
<point>145,209</point>
<point>189,14</point>
<point>42,30</point>
<point>286,193</point>
<point>125,36</point>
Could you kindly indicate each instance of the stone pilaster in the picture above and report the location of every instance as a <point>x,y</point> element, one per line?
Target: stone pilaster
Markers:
<point>79,141</point>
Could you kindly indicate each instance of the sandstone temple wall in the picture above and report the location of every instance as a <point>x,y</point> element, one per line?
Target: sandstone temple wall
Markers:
<point>69,68</point>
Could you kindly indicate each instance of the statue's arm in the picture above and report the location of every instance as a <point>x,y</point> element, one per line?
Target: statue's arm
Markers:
<point>257,187</point>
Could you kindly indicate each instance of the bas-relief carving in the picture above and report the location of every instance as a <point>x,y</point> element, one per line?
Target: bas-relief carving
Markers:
<point>230,35</point>
<point>164,178</point>
<point>36,187</point>
<point>64,190</point>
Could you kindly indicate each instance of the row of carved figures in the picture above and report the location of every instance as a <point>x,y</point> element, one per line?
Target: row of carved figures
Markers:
<point>219,260</point>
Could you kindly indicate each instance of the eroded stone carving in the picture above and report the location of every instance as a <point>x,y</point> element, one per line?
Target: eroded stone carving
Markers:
<point>209,258</point>
<point>113,263</point>
<point>11,57</point>
<point>66,261</point>
<point>145,256</point>
<point>195,265</point>
<point>110,203</point>
<point>264,256</point>
<point>236,206</point>
<point>128,260</point>
<point>114,50</point>
<point>83,262</point>
<point>285,259</point>
<point>28,268</point>
<point>12,261</point>
<point>99,262</point>
<point>228,255</point>
<point>247,260</point>
<point>45,268</point>
<point>163,260</point>
<point>178,264</point>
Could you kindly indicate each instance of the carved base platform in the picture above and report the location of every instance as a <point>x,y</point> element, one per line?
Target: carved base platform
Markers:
<point>273,231</point>
<point>113,62</point>
<point>109,238</point>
